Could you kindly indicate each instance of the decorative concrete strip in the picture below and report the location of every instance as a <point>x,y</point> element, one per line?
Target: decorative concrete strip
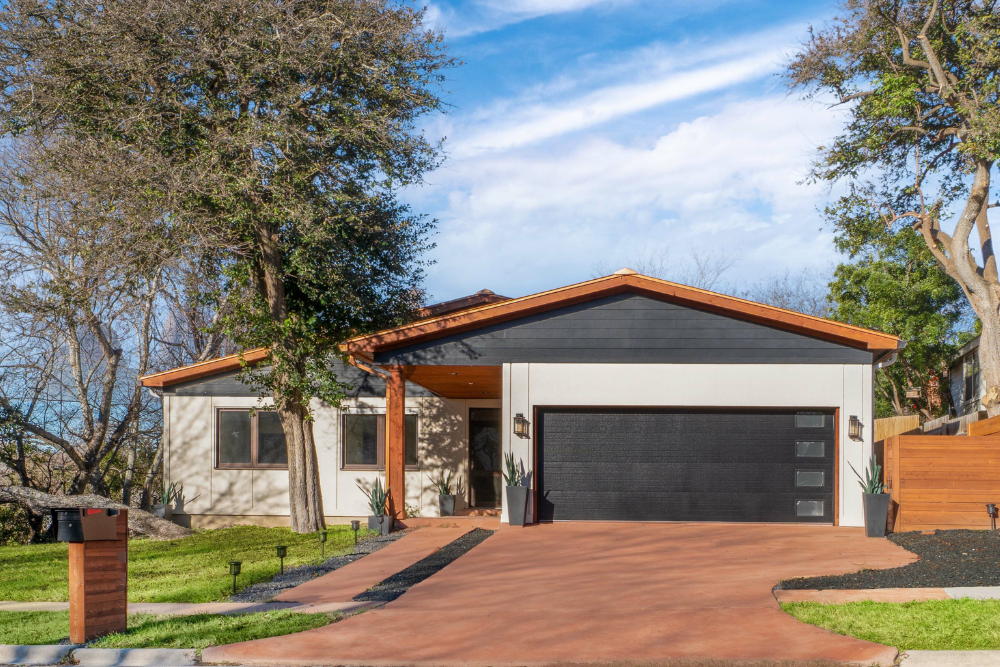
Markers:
<point>34,606</point>
<point>190,609</point>
<point>135,657</point>
<point>840,596</point>
<point>975,592</point>
<point>44,654</point>
<point>950,659</point>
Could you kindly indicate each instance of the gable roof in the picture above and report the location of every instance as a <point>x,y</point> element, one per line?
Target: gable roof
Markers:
<point>625,280</point>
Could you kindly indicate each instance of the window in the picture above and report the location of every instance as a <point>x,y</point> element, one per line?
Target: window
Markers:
<point>810,478</point>
<point>810,450</point>
<point>810,420</point>
<point>809,508</point>
<point>364,442</point>
<point>971,370</point>
<point>245,441</point>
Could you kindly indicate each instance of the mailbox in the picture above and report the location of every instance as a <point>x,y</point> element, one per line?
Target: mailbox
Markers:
<point>86,524</point>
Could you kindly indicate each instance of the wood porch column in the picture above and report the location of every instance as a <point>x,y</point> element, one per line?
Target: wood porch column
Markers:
<point>395,440</point>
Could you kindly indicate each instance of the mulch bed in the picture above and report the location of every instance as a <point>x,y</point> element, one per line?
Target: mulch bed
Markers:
<point>294,576</point>
<point>402,581</point>
<point>948,558</point>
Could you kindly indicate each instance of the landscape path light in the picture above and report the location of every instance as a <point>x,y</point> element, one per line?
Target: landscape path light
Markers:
<point>234,569</point>
<point>322,541</point>
<point>282,552</point>
<point>991,509</point>
<point>355,524</point>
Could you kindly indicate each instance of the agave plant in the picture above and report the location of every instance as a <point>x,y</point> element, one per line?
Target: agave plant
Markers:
<point>512,474</point>
<point>871,483</point>
<point>378,498</point>
<point>444,483</point>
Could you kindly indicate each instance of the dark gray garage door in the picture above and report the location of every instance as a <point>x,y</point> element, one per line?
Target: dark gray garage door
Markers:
<point>682,465</point>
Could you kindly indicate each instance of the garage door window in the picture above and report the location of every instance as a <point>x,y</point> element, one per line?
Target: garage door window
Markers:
<point>810,478</point>
<point>809,508</point>
<point>810,449</point>
<point>810,420</point>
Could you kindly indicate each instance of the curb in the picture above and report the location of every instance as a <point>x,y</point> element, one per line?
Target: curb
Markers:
<point>41,654</point>
<point>135,657</point>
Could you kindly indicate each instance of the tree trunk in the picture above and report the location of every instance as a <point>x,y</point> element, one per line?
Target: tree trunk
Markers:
<point>305,498</point>
<point>989,358</point>
<point>127,477</point>
<point>147,486</point>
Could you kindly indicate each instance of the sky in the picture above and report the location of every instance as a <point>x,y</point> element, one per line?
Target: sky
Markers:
<point>583,134</point>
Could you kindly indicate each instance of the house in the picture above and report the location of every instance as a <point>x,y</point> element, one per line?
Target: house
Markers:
<point>966,389</point>
<point>624,398</point>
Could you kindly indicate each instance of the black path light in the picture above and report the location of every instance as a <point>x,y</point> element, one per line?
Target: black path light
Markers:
<point>282,552</point>
<point>321,534</point>
<point>234,569</point>
<point>355,524</point>
<point>991,509</point>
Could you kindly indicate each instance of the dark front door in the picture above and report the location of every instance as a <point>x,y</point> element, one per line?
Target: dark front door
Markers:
<point>620,464</point>
<point>485,481</point>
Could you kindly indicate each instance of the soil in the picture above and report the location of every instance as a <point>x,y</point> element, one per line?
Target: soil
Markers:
<point>948,558</point>
<point>294,576</point>
<point>402,581</point>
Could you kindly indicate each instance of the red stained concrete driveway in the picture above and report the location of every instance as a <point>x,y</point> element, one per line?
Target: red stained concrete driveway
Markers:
<point>596,592</point>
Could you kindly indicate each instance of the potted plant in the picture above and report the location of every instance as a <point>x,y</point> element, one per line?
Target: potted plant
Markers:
<point>517,489</point>
<point>165,508</point>
<point>446,496</point>
<point>875,498</point>
<point>378,500</point>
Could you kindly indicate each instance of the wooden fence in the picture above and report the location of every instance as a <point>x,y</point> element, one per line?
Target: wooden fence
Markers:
<point>989,426</point>
<point>939,481</point>
<point>889,426</point>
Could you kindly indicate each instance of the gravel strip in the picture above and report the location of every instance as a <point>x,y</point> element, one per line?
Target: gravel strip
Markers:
<point>948,559</point>
<point>402,581</point>
<point>295,576</point>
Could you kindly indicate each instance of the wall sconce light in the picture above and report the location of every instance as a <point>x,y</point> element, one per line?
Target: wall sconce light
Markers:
<point>854,428</point>
<point>520,426</point>
<point>991,509</point>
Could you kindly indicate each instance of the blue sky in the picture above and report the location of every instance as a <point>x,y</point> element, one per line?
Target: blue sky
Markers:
<point>592,132</point>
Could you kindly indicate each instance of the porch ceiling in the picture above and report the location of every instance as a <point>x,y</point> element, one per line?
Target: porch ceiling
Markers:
<point>458,381</point>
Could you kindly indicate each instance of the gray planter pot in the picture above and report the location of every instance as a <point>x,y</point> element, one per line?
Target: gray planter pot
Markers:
<point>162,511</point>
<point>517,504</point>
<point>381,524</point>
<point>447,505</point>
<point>876,513</point>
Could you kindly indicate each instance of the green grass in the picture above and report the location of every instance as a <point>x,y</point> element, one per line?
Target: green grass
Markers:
<point>192,569</point>
<point>145,631</point>
<point>33,627</point>
<point>935,625</point>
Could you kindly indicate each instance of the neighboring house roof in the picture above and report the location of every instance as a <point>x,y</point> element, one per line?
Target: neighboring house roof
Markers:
<point>965,349</point>
<point>233,362</point>
<point>624,280</point>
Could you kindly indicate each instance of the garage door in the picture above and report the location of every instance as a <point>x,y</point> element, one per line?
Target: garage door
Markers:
<point>681,465</point>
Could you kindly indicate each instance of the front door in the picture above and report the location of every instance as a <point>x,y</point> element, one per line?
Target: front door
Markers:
<point>485,481</point>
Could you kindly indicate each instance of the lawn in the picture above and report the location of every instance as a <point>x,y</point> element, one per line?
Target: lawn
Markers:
<point>145,631</point>
<point>936,625</point>
<point>192,569</point>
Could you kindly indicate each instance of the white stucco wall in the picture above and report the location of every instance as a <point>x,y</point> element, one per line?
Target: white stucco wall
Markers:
<point>261,496</point>
<point>847,387</point>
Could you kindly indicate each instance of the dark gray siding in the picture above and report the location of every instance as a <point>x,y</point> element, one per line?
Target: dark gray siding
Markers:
<point>626,328</point>
<point>227,384</point>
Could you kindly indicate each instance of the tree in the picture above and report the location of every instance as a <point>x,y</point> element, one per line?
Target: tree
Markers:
<point>896,285</point>
<point>804,292</point>
<point>279,131</point>
<point>921,81</point>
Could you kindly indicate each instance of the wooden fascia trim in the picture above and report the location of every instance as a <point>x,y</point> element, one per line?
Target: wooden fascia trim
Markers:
<point>205,368</point>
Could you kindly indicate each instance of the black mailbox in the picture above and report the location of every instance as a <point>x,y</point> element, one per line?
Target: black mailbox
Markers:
<point>86,524</point>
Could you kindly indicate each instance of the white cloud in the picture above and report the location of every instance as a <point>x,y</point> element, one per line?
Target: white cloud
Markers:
<point>486,15</point>
<point>534,218</point>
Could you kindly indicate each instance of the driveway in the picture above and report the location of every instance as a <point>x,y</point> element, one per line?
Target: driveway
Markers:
<point>596,592</point>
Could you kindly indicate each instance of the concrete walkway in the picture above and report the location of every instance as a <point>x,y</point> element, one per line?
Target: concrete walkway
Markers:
<point>592,592</point>
<point>951,659</point>
<point>190,608</point>
<point>843,596</point>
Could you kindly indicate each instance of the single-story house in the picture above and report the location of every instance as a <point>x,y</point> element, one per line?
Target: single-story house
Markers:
<point>966,390</point>
<point>625,398</point>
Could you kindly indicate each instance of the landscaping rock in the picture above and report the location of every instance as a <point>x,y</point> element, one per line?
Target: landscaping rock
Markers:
<point>295,576</point>
<point>43,654</point>
<point>135,657</point>
<point>948,559</point>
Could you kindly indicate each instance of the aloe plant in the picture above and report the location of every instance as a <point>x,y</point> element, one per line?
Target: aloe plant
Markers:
<point>512,474</point>
<point>871,483</point>
<point>378,498</point>
<point>444,483</point>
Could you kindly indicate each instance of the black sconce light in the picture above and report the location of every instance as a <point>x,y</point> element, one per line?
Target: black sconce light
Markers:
<point>282,552</point>
<point>520,426</point>
<point>991,509</point>
<point>321,534</point>
<point>355,525</point>
<point>854,427</point>
<point>234,569</point>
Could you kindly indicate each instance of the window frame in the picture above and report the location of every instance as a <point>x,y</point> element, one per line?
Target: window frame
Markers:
<point>253,465</point>
<point>379,442</point>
